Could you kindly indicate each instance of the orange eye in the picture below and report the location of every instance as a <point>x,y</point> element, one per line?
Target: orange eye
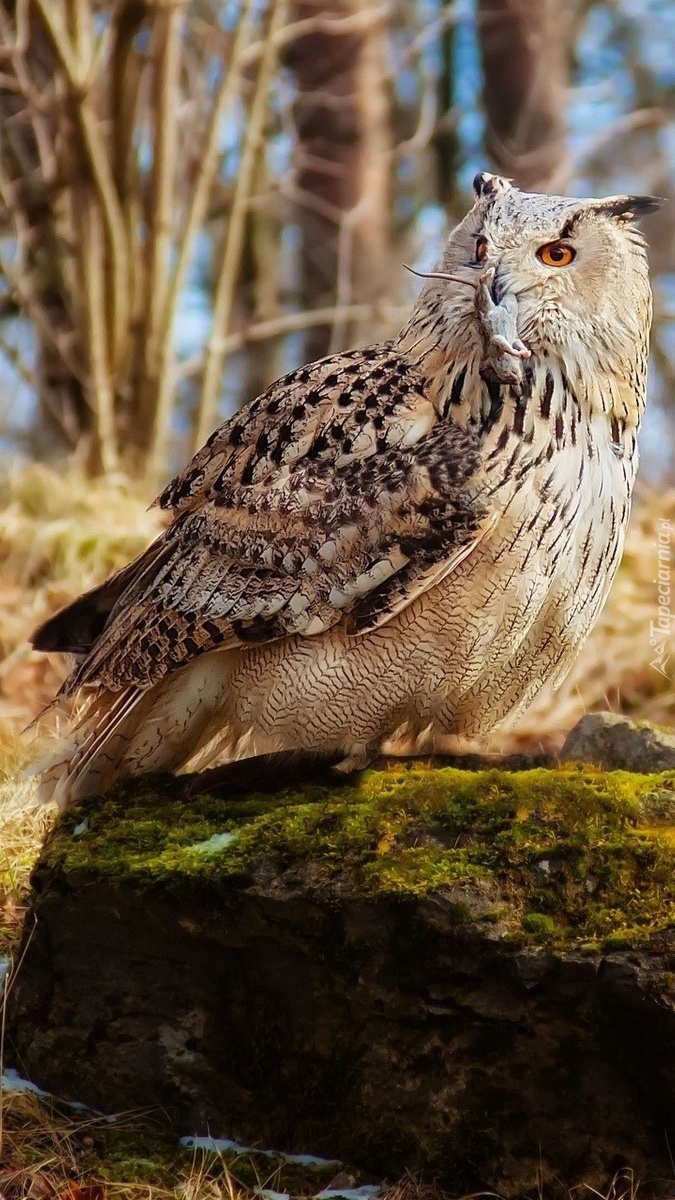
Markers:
<point>481,248</point>
<point>556,254</point>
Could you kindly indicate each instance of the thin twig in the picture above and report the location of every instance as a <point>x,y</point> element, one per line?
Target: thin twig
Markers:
<point>389,315</point>
<point>114,221</point>
<point>161,202</point>
<point>103,399</point>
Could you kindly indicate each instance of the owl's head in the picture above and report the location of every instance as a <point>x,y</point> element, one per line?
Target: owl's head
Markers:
<point>578,268</point>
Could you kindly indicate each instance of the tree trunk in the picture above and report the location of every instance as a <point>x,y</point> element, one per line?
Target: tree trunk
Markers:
<point>343,160</point>
<point>526,46</point>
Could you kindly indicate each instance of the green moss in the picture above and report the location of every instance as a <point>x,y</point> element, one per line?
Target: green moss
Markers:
<point>141,1156</point>
<point>538,924</point>
<point>569,856</point>
<point>138,1156</point>
<point>627,939</point>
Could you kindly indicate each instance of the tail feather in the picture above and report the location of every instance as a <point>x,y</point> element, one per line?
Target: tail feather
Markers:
<point>137,732</point>
<point>75,628</point>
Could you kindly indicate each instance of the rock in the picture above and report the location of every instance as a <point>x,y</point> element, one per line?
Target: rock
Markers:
<point>468,974</point>
<point>615,742</point>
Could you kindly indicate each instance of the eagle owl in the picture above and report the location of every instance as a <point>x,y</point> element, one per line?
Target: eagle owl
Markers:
<point>412,536</point>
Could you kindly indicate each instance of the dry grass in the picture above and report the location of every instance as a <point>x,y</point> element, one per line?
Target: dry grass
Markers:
<point>49,1151</point>
<point>59,534</point>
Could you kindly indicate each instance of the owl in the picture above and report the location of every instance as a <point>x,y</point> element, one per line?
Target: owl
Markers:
<point>410,537</point>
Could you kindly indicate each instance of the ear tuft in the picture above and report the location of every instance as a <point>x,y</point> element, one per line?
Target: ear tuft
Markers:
<point>488,187</point>
<point>628,208</point>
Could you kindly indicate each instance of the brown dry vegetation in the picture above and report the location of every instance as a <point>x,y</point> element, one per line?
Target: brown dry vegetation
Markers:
<point>50,1151</point>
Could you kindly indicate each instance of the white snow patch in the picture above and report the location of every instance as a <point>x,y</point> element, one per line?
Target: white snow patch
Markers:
<point>311,1160</point>
<point>223,1145</point>
<point>358,1193</point>
<point>11,1081</point>
<point>217,1145</point>
<point>365,1192</point>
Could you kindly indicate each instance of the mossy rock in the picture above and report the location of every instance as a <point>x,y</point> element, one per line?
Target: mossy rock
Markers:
<point>591,852</point>
<point>467,973</point>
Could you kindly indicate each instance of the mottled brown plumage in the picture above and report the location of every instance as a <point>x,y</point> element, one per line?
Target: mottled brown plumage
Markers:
<point>417,534</point>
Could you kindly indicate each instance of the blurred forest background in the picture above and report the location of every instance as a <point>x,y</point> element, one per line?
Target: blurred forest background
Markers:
<point>198,195</point>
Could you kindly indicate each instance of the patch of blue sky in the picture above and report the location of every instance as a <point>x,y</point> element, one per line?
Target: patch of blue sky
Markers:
<point>599,49</point>
<point>605,85</point>
<point>407,84</point>
<point>430,12</point>
<point>144,150</point>
<point>214,72</point>
<point>654,24</point>
<point>280,153</point>
<point>18,401</point>
<point>9,250</point>
<point>201,259</point>
<point>229,14</point>
<point>429,232</point>
<point>193,322</point>
<point>604,90</point>
<point>141,39</point>
<point>232,128</point>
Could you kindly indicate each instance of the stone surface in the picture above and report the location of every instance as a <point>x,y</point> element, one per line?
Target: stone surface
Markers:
<point>468,974</point>
<point>615,742</point>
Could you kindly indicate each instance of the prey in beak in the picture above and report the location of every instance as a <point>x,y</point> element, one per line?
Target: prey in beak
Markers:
<point>503,351</point>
